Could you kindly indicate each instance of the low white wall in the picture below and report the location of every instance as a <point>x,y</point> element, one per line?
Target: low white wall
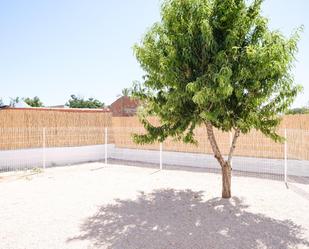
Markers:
<point>33,158</point>
<point>245,164</point>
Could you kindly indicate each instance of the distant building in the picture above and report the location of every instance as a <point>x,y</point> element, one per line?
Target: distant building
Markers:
<point>20,104</point>
<point>124,107</point>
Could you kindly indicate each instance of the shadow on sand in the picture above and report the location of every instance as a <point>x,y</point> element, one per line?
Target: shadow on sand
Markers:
<point>172,219</point>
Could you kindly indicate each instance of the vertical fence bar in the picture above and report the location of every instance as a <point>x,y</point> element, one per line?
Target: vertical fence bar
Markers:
<point>161,164</point>
<point>285,157</point>
<point>44,147</point>
<point>105,138</point>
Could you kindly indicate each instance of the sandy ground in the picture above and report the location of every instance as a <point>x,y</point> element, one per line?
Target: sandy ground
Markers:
<point>97,206</point>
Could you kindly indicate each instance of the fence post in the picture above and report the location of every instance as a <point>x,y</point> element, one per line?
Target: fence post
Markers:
<point>161,164</point>
<point>285,157</point>
<point>44,147</point>
<point>105,138</point>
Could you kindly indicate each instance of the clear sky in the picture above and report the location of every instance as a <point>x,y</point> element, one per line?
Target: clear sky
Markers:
<point>54,48</point>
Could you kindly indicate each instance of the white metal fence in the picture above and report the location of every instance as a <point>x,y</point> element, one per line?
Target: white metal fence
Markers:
<point>257,156</point>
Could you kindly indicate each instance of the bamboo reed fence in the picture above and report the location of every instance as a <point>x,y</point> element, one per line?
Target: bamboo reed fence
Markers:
<point>23,127</point>
<point>253,144</point>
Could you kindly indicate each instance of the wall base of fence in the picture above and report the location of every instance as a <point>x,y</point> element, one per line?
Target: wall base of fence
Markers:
<point>32,158</point>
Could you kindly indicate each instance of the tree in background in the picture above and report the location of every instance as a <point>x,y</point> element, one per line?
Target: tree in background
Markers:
<point>14,101</point>
<point>125,92</point>
<point>79,102</point>
<point>300,110</point>
<point>214,63</point>
<point>1,102</point>
<point>34,102</point>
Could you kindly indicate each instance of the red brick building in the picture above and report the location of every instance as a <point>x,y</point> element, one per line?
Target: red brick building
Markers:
<point>124,107</point>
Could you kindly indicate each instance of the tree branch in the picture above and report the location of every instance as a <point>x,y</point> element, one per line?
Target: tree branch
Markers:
<point>233,145</point>
<point>214,145</point>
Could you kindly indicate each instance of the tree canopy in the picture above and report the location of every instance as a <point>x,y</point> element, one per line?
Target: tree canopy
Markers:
<point>80,102</point>
<point>214,62</point>
<point>125,92</point>
<point>34,102</point>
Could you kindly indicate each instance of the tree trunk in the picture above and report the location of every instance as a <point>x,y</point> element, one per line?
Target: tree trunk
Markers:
<point>225,165</point>
<point>226,180</point>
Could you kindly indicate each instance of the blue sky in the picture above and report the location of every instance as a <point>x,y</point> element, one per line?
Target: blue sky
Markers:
<point>54,48</point>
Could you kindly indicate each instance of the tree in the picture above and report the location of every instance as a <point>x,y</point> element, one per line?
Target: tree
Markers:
<point>14,101</point>
<point>214,63</point>
<point>79,102</point>
<point>125,92</point>
<point>34,102</point>
<point>300,110</point>
<point>1,102</point>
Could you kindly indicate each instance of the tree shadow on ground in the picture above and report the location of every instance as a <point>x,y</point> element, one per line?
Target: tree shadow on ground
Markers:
<point>172,219</point>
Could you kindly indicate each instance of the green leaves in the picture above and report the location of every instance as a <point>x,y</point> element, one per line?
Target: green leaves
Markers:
<point>80,102</point>
<point>34,102</point>
<point>217,61</point>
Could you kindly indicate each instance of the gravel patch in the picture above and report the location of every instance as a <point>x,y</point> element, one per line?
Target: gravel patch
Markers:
<point>121,207</point>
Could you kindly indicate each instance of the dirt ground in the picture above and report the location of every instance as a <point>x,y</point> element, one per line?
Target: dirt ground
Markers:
<point>123,207</point>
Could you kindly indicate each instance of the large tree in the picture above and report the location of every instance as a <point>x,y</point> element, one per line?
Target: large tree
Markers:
<point>80,102</point>
<point>214,63</point>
